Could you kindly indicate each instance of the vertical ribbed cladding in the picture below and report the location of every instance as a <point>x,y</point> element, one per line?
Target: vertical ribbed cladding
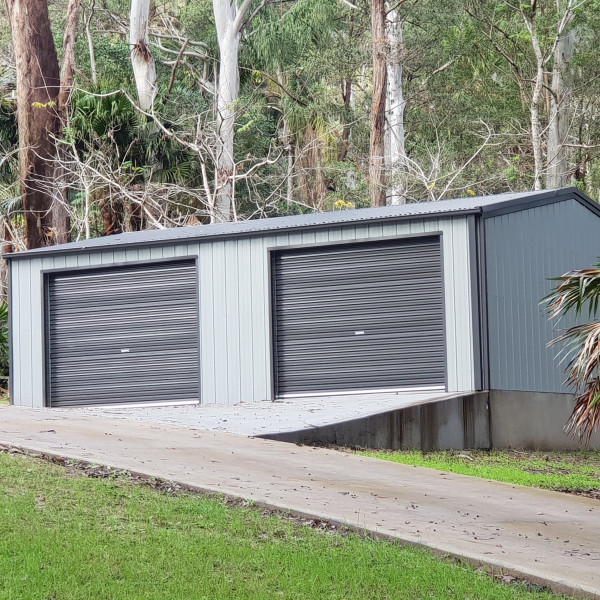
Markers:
<point>359,316</point>
<point>122,334</point>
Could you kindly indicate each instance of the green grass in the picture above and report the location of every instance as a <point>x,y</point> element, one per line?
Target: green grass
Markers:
<point>65,536</point>
<point>562,471</point>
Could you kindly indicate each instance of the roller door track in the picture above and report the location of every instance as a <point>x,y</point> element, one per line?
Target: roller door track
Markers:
<point>358,317</point>
<point>122,335</point>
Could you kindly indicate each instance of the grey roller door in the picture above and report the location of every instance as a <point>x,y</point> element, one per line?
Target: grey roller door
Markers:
<point>359,316</point>
<point>122,334</point>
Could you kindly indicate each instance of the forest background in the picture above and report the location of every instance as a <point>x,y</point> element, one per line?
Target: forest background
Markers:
<point>120,116</point>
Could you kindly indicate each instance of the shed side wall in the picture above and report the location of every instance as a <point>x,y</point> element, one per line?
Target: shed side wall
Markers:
<point>235,353</point>
<point>523,250</point>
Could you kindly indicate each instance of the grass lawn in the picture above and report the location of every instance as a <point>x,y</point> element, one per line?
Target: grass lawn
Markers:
<point>562,471</point>
<point>66,536</point>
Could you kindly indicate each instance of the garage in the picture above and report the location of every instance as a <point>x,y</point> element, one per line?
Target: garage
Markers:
<point>440,296</point>
<point>358,317</point>
<point>123,334</point>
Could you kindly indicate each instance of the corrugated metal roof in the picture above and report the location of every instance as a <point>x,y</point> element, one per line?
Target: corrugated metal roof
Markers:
<point>478,204</point>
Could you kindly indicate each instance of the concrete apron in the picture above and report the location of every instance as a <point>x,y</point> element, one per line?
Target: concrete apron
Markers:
<point>427,420</point>
<point>547,537</point>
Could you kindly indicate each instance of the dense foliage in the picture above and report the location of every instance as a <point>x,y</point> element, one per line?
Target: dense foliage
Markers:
<point>302,118</point>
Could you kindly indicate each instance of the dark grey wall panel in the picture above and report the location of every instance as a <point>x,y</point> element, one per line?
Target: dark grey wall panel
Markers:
<point>359,316</point>
<point>523,251</point>
<point>122,334</point>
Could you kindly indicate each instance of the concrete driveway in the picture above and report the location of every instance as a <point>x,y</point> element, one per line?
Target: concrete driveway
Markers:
<point>545,536</point>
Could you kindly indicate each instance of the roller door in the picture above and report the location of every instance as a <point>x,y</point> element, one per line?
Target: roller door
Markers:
<point>122,335</point>
<point>359,316</point>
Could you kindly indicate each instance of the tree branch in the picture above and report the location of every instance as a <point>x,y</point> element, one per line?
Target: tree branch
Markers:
<point>238,23</point>
<point>174,69</point>
<point>396,6</point>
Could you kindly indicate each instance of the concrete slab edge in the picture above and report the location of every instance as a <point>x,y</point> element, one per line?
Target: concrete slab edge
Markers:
<point>413,426</point>
<point>492,567</point>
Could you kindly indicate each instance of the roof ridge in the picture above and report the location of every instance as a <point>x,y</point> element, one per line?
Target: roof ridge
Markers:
<point>489,206</point>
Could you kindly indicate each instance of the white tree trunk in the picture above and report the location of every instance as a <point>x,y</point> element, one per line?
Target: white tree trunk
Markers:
<point>395,106</point>
<point>227,95</point>
<point>377,179</point>
<point>142,60</point>
<point>229,23</point>
<point>536,128</point>
<point>560,114</point>
<point>87,19</point>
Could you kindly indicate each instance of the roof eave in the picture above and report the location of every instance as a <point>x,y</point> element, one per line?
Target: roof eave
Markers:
<point>541,199</point>
<point>58,251</point>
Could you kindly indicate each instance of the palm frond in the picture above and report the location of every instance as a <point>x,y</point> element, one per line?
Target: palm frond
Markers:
<point>585,418</point>
<point>581,344</point>
<point>575,291</point>
<point>177,173</point>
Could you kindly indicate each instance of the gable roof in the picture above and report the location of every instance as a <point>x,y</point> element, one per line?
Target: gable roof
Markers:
<point>488,206</point>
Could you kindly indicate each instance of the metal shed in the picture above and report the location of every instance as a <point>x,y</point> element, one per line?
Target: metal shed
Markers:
<point>438,295</point>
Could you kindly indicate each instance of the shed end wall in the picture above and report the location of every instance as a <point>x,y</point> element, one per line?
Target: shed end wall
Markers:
<point>523,251</point>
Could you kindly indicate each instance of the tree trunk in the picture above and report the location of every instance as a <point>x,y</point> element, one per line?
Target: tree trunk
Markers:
<point>560,113</point>
<point>38,87</point>
<point>395,149</point>
<point>377,143</point>
<point>347,97</point>
<point>87,18</point>
<point>288,145</point>
<point>142,60</point>
<point>61,222</point>
<point>289,150</point>
<point>68,63</point>
<point>227,95</point>
<point>536,128</point>
<point>228,20</point>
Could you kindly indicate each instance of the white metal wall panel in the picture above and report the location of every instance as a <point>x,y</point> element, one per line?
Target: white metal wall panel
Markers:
<point>235,360</point>
<point>523,251</point>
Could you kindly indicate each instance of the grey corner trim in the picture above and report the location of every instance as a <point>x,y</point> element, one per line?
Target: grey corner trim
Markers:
<point>475,303</point>
<point>444,308</point>
<point>483,304</point>
<point>272,362</point>
<point>196,259</point>
<point>541,199</point>
<point>45,306</point>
